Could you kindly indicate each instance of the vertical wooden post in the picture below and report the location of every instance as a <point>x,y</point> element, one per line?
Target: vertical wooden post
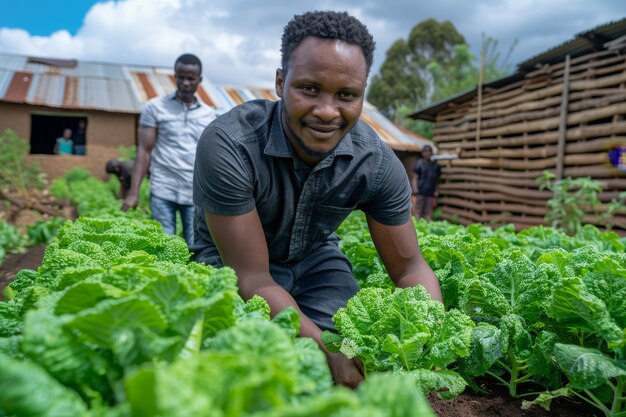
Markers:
<point>479,109</point>
<point>560,148</point>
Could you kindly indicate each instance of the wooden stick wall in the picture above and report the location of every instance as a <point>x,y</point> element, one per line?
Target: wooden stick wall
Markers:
<point>580,101</point>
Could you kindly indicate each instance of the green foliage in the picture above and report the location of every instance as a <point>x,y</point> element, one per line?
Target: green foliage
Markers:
<point>549,308</point>
<point>20,381</point>
<point>404,330</point>
<point>127,153</point>
<point>422,127</point>
<point>10,240</point>
<point>16,174</point>
<point>573,198</point>
<point>433,63</point>
<point>615,206</point>
<point>43,231</point>
<point>117,323</point>
<point>588,370</point>
<point>39,233</point>
<point>495,65</point>
<point>93,197</point>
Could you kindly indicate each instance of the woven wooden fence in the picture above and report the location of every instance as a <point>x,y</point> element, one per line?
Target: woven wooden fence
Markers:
<point>563,117</point>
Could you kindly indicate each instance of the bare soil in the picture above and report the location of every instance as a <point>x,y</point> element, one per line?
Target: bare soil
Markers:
<point>30,259</point>
<point>498,403</point>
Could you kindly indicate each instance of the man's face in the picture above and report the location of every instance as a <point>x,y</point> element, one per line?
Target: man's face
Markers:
<point>188,78</point>
<point>323,93</point>
<point>427,153</point>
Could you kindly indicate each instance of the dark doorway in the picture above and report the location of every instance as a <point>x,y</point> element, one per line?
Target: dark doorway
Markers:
<point>45,129</point>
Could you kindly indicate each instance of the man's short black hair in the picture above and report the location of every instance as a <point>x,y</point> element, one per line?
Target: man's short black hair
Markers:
<point>188,59</point>
<point>427,147</point>
<point>329,25</point>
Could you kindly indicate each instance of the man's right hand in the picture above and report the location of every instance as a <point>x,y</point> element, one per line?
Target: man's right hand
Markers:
<point>130,201</point>
<point>345,371</point>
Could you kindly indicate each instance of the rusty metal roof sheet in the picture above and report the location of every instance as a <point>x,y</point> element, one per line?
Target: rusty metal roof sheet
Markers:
<point>120,88</point>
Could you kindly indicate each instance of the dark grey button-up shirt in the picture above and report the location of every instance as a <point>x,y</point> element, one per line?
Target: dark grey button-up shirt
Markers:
<point>245,161</point>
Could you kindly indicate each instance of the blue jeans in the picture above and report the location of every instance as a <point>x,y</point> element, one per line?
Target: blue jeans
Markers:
<point>164,212</point>
<point>321,283</point>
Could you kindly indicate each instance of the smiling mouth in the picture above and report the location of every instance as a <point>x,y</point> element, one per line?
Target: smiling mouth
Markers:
<point>324,135</point>
<point>322,130</point>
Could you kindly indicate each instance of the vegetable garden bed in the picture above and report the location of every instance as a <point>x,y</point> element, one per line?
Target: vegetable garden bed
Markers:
<point>115,322</point>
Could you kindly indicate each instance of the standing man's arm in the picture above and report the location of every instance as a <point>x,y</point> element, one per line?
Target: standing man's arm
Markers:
<point>147,140</point>
<point>414,189</point>
<point>241,243</point>
<point>417,171</point>
<point>400,252</point>
<point>437,180</point>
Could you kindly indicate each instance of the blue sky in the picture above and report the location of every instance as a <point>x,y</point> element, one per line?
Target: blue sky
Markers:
<point>43,17</point>
<point>239,40</point>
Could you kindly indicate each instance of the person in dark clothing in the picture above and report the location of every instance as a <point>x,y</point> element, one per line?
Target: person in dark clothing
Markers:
<point>123,170</point>
<point>427,174</point>
<point>79,138</point>
<point>273,180</point>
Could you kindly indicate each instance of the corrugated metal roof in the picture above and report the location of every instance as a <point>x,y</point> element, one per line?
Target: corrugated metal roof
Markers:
<point>430,113</point>
<point>125,88</point>
<point>583,43</point>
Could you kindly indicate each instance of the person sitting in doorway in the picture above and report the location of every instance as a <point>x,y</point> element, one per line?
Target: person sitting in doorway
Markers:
<point>64,144</point>
<point>123,170</point>
<point>79,138</point>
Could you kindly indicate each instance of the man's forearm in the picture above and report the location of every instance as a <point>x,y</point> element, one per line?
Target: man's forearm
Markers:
<point>278,300</point>
<point>343,369</point>
<point>423,276</point>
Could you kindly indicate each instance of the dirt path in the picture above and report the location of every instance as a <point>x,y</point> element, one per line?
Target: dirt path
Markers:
<point>31,259</point>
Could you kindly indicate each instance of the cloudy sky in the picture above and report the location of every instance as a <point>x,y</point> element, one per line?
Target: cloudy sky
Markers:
<point>239,40</point>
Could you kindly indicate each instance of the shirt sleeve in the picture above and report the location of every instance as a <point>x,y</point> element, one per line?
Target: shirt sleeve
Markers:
<point>391,201</point>
<point>222,183</point>
<point>417,168</point>
<point>148,115</point>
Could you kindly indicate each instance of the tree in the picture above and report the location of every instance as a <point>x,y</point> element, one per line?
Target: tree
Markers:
<point>406,77</point>
<point>434,63</point>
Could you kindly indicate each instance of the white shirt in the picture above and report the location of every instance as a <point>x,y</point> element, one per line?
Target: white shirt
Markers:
<point>179,127</point>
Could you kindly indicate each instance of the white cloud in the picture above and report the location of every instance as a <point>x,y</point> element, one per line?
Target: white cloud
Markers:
<point>239,40</point>
<point>155,32</point>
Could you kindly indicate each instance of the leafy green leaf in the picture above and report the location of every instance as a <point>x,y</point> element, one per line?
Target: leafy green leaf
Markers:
<point>485,350</point>
<point>27,390</point>
<point>445,383</point>
<point>586,368</point>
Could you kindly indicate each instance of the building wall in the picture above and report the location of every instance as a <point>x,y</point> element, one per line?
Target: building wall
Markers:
<point>105,133</point>
<point>519,130</point>
<point>16,117</point>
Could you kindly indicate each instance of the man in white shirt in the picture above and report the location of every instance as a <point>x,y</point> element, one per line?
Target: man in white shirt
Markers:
<point>169,129</point>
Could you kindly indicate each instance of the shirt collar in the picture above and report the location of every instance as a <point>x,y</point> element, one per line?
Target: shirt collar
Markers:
<point>195,105</point>
<point>278,143</point>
